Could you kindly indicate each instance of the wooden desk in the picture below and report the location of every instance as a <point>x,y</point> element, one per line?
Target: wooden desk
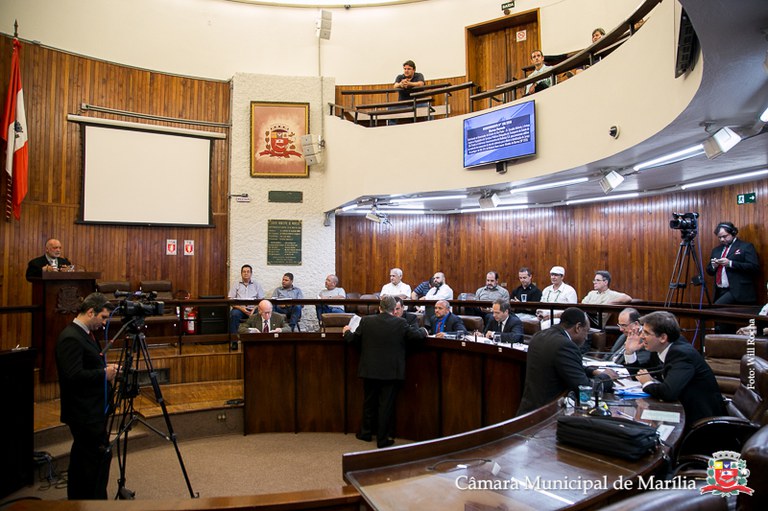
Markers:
<point>308,382</point>
<point>438,474</point>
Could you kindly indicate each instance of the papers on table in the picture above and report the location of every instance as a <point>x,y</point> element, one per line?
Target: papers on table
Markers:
<point>657,415</point>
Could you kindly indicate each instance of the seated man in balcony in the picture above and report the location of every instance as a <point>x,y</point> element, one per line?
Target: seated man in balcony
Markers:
<point>538,63</point>
<point>422,289</point>
<point>526,292</point>
<point>491,292</point>
<point>331,291</point>
<point>243,289</point>
<point>440,290</point>
<point>396,286</point>
<point>288,292</point>
<point>408,80</point>
<point>558,292</point>
<point>444,321</point>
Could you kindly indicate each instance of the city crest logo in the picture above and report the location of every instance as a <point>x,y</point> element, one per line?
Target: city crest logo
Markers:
<point>280,142</point>
<point>727,475</point>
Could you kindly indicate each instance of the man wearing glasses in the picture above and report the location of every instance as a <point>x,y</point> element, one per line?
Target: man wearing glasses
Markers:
<point>603,295</point>
<point>629,324</point>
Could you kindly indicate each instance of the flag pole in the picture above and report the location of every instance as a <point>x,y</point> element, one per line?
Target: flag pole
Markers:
<point>9,180</point>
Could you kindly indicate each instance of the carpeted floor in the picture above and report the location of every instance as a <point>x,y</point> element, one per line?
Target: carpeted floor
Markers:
<point>228,465</point>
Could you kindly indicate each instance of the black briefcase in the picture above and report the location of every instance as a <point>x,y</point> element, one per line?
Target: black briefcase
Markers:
<point>613,436</point>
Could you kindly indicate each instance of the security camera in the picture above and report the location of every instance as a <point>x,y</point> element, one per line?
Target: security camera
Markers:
<point>614,131</point>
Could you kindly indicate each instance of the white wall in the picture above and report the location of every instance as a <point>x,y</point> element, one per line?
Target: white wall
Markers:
<point>218,38</point>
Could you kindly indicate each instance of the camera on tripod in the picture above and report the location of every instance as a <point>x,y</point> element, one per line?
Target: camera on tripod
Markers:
<point>143,305</point>
<point>684,221</point>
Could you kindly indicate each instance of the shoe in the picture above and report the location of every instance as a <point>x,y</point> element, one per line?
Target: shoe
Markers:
<point>364,438</point>
<point>233,346</point>
<point>385,443</point>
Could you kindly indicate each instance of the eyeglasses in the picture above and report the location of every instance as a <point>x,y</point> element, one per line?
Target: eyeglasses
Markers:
<point>599,280</point>
<point>621,325</point>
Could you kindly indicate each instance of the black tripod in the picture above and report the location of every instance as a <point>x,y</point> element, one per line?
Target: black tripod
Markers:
<point>124,415</point>
<point>679,280</point>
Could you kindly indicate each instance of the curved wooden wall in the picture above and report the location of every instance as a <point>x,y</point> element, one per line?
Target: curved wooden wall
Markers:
<point>631,239</point>
<point>55,84</point>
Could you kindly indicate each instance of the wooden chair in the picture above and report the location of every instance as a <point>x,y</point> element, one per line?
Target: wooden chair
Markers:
<point>108,287</point>
<point>335,321</point>
<point>365,310</point>
<point>163,288</point>
<point>473,323</point>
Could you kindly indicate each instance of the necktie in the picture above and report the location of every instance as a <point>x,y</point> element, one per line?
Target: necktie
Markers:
<point>619,353</point>
<point>721,269</point>
<point>501,327</point>
<point>265,326</point>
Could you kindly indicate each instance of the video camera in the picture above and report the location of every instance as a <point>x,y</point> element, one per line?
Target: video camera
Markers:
<point>684,221</point>
<point>143,305</point>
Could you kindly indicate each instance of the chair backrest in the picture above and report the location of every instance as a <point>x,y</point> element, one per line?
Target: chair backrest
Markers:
<point>335,321</point>
<point>755,453</point>
<point>364,310</point>
<point>163,288</point>
<point>751,398</point>
<point>473,323</point>
<point>467,296</point>
<point>723,353</point>
<point>352,296</point>
<point>108,287</point>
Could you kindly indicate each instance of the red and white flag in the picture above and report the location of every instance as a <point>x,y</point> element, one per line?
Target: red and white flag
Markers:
<point>14,133</point>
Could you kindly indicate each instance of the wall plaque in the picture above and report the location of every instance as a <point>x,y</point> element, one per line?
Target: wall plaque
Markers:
<point>284,242</point>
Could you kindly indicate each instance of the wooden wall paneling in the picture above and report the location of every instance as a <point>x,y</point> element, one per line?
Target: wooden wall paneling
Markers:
<point>320,385</point>
<point>631,239</point>
<point>55,84</point>
<point>462,397</point>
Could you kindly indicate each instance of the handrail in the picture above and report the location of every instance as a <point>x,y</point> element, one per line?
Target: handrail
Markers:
<point>444,90</point>
<point>364,92</point>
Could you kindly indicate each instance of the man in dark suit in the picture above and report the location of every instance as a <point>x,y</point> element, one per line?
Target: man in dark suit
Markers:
<point>554,363</point>
<point>445,321</point>
<point>382,339</point>
<point>629,323</point>
<point>411,318</point>
<point>274,321</point>
<point>85,380</point>
<point>685,376</point>
<point>50,261</point>
<point>735,266</point>
<point>504,323</point>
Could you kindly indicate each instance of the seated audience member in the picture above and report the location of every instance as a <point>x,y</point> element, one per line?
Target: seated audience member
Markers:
<point>557,292</point>
<point>331,291</point>
<point>400,312</point>
<point>491,292</point>
<point>264,320</point>
<point>526,292</point>
<point>504,323</point>
<point>750,329</point>
<point>603,295</point>
<point>444,320</point>
<point>243,289</point>
<point>50,261</point>
<point>538,63</point>
<point>597,34</point>
<point>684,375</point>
<point>422,289</point>
<point>409,79</point>
<point>554,363</point>
<point>628,323</point>
<point>396,286</point>
<point>285,292</point>
<point>440,290</point>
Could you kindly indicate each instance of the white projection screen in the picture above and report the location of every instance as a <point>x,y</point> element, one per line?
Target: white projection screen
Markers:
<point>145,177</point>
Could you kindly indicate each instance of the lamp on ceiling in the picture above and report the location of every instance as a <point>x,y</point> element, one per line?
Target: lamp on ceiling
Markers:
<point>489,201</point>
<point>611,181</point>
<point>721,142</point>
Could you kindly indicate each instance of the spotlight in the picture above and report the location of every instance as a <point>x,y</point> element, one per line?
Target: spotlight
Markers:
<point>489,202</point>
<point>611,181</point>
<point>721,142</point>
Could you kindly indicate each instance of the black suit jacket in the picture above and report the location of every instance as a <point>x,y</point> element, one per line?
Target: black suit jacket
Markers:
<point>36,265</point>
<point>513,329</point>
<point>85,392</point>
<point>383,340</point>
<point>643,356</point>
<point>554,366</point>
<point>453,323</point>
<point>743,271</point>
<point>687,378</point>
<point>277,320</point>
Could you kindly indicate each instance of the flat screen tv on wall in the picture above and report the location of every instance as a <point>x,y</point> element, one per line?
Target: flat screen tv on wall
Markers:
<point>499,135</point>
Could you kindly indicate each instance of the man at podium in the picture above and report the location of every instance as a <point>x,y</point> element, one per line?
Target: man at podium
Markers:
<point>50,261</point>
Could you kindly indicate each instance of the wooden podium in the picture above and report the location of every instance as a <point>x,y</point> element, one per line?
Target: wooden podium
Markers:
<point>59,294</point>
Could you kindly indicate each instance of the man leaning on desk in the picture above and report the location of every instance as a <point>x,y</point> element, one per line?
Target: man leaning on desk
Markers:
<point>50,261</point>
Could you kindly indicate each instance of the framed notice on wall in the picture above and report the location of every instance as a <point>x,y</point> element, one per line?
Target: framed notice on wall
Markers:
<point>276,129</point>
<point>284,242</point>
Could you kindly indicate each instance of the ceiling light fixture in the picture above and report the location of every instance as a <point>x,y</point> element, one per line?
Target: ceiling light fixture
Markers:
<point>721,142</point>
<point>611,181</point>
<point>706,182</point>
<point>500,208</point>
<point>432,197</point>
<point>556,184</point>
<point>764,115</point>
<point>596,199</point>
<point>675,157</point>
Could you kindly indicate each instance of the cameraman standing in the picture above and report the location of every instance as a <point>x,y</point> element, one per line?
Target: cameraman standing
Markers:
<point>85,380</point>
<point>735,265</point>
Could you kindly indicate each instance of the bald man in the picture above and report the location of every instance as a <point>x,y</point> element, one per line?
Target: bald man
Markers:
<point>50,261</point>
<point>274,321</point>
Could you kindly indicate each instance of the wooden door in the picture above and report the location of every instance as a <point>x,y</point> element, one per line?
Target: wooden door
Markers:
<point>494,53</point>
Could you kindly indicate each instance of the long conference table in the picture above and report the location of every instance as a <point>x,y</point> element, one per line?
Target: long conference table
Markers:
<point>458,402</point>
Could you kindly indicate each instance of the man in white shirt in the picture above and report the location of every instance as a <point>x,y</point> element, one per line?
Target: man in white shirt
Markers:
<point>243,289</point>
<point>396,286</point>
<point>440,290</point>
<point>558,292</point>
<point>537,58</point>
<point>331,291</point>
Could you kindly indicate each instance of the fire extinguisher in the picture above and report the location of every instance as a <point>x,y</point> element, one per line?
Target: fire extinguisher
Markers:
<point>190,323</point>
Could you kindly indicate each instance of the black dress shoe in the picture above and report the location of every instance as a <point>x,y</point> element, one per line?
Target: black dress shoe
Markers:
<point>364,438</point>
<point>385,443</point>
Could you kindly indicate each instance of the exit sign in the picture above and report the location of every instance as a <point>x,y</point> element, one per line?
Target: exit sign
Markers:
<point>745,198</point>
<point>507,5</point>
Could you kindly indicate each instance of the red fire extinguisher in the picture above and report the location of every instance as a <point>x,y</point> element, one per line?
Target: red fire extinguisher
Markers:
<point>190,323</point>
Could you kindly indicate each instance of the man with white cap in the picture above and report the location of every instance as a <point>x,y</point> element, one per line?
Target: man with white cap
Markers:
<point>558,292</point>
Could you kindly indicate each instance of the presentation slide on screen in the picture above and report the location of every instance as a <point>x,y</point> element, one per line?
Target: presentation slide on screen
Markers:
<point>500,135</point>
